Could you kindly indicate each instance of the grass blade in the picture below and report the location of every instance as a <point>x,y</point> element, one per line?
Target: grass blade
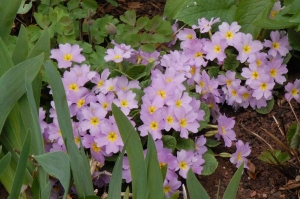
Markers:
<point>195,189</point>
<point>21,49</point>
<point>57,164</point>
<point>12,85</point>
<point>21,168</point>
<point>135,153</point>
<point>4,162</point>
<point>115,185</point>
<point>154,174</point>
<point>233,185</point>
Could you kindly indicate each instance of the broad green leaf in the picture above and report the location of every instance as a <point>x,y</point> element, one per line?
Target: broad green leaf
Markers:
<point>57,164</point>
<point>274,157</point>
<point>210,164</point>
<point>249,11</point>
<point>80,169</point>
<point>212,143</point>
<point>42,45</point>
<point>46,191</point>
<point>294,40</point>
<point>195,189</point>
<point>186,144</point>
<point>230,63</point>
<point>213,71</point>
<point>233,185</point>
<point>292,136</point>
<point>21,168</point>
<point>268,108</point>
<point>4,162</point>
<point>275,24</point>
<point>169,141</point>
<point>12,85</point>
<point>8,12</point>
<point>21,49</point>
<point>154,23</point>
<point>72,4</point>
<point>224,10</point>
<point>115,184</point>
<point>6,62</point>
<point>134,151</point>
<point>141,22</point>
<point>154,175</point>
<point>172,7</point>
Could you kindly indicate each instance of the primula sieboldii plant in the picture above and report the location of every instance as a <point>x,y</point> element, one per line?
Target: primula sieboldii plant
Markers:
<point>180,85</point>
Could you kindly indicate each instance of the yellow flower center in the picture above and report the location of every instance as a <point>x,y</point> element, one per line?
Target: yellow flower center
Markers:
<point>217,48</point>
<point>246,49</point>
<point>112,136</point>
<point>276,45</point>
<point>274,13</point>
<point>68,57</point>
<point>229,35</point>
<point>80,103</point>
<point>124,103</point>
<point>182,165</point>
<point>263,86</point>
<point>178,103</point>
<point>162,164</point>
<point>94,121</point>
<point>95,148</point>
<point>111,88</point>
<point>294,91</point>
<point>168,80</point>
<point>182,122</point>
<point>151,109</point>
<point>223,130</point>
<point>167,189</point>
<point>245,95</point>
<point>198,54</point>
<point>105,105</point>
<point>202,84</point>
<point>258,63</point>
<point>255,75</point>
<point>273,72</point>
<point>234,93</point>
<point>73,87</point>
<point>154,125</point>
<point>162,93</point>
<point>228,82</point>
<point>150,60</point>
<point>77,140</point>
<point>100,83</point>
<point>239,156</point>
<point>117,57</point>
<point>189,36</point>
<point>193,70</point>
<point>169,119</point>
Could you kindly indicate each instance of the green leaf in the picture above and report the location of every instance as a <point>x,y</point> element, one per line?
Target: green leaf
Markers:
<point>129,17</point>
<point>6,62</point>
<point>195,189</point>
<point>249,11</point>
<point>148,47</point>
<point>154,23</point>
<point>274,157</point>
<point>204,123</point>
<point>141,22</point>
<point>233,185</point>
<point>231,63</point>
<point>57,164</point>
<point>134,151</point>
<point>4,163</point>
<point>210,164</point>
<point>169,141</point>
<point>186,144</point>
<point>292,136</point>
<point>115,183</point>
<point>89,4</point>
<point>126,195</point>
<point>224,10</point>
<point>280,22</point>
<point>21,168</point>
<point>212,143</point>
<point>135,72</point>
<point>21,49</point>
<point>175,195</point>
<point>8,12</point>
<point>72,4</point>
<point>213,71</point>
<point>154,175</point>
<point>294,39</point>
<point>172,7</point>
<point>268,108</point>
<point>12,85</point>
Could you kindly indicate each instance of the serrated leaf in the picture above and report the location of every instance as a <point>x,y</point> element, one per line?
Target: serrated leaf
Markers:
<point>210,164</point>
<point>186,144</point>
<point>268,108</point>
<point>213,71</point>
<point>154,23</point>
<point>169,141</point>
<point>274,157</point>
<point>141,22</point>
<point>129,17</point>
<point>224,10</point>
<point>172,7</point>
<point>231,63</point>
<point>249,11</point>
<point>57,164</point>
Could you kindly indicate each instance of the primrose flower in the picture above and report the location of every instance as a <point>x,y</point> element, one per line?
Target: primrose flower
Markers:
<point>152,124</point>
<point>171,186</point>
<point>184,162</point>
<point>229,32</point>
<point>293,91</point>
<point>205,25</point>
<point>225,126</point>
<point>200,147</point>
<point>187,122</point>
<point>116,54</point>
<point>126,101</point>
<point>246,46</point>
<point>186,34</point>
<point>277,70</point>
<point>276,8</point>
<point>228,78</point>
<point>99,80</point>
<point>278,44</point>
<point>242,151</point>
<point>215,48</point>
<point>263,87</point>
<point>66,54</point>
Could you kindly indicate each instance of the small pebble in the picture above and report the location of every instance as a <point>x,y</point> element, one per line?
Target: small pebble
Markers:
<point>253,194</point>
<point>264,195</point>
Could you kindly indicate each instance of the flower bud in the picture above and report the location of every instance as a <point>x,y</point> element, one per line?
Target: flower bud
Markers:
<point>110,29</point>
<point>225,155</point>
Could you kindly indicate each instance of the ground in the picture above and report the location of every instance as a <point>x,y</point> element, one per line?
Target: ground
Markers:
<point>267,180</point>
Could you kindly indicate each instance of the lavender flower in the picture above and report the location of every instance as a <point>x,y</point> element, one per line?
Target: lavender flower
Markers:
<point>293,91</point>
<point>242,151</point>
<point>225,130</point>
